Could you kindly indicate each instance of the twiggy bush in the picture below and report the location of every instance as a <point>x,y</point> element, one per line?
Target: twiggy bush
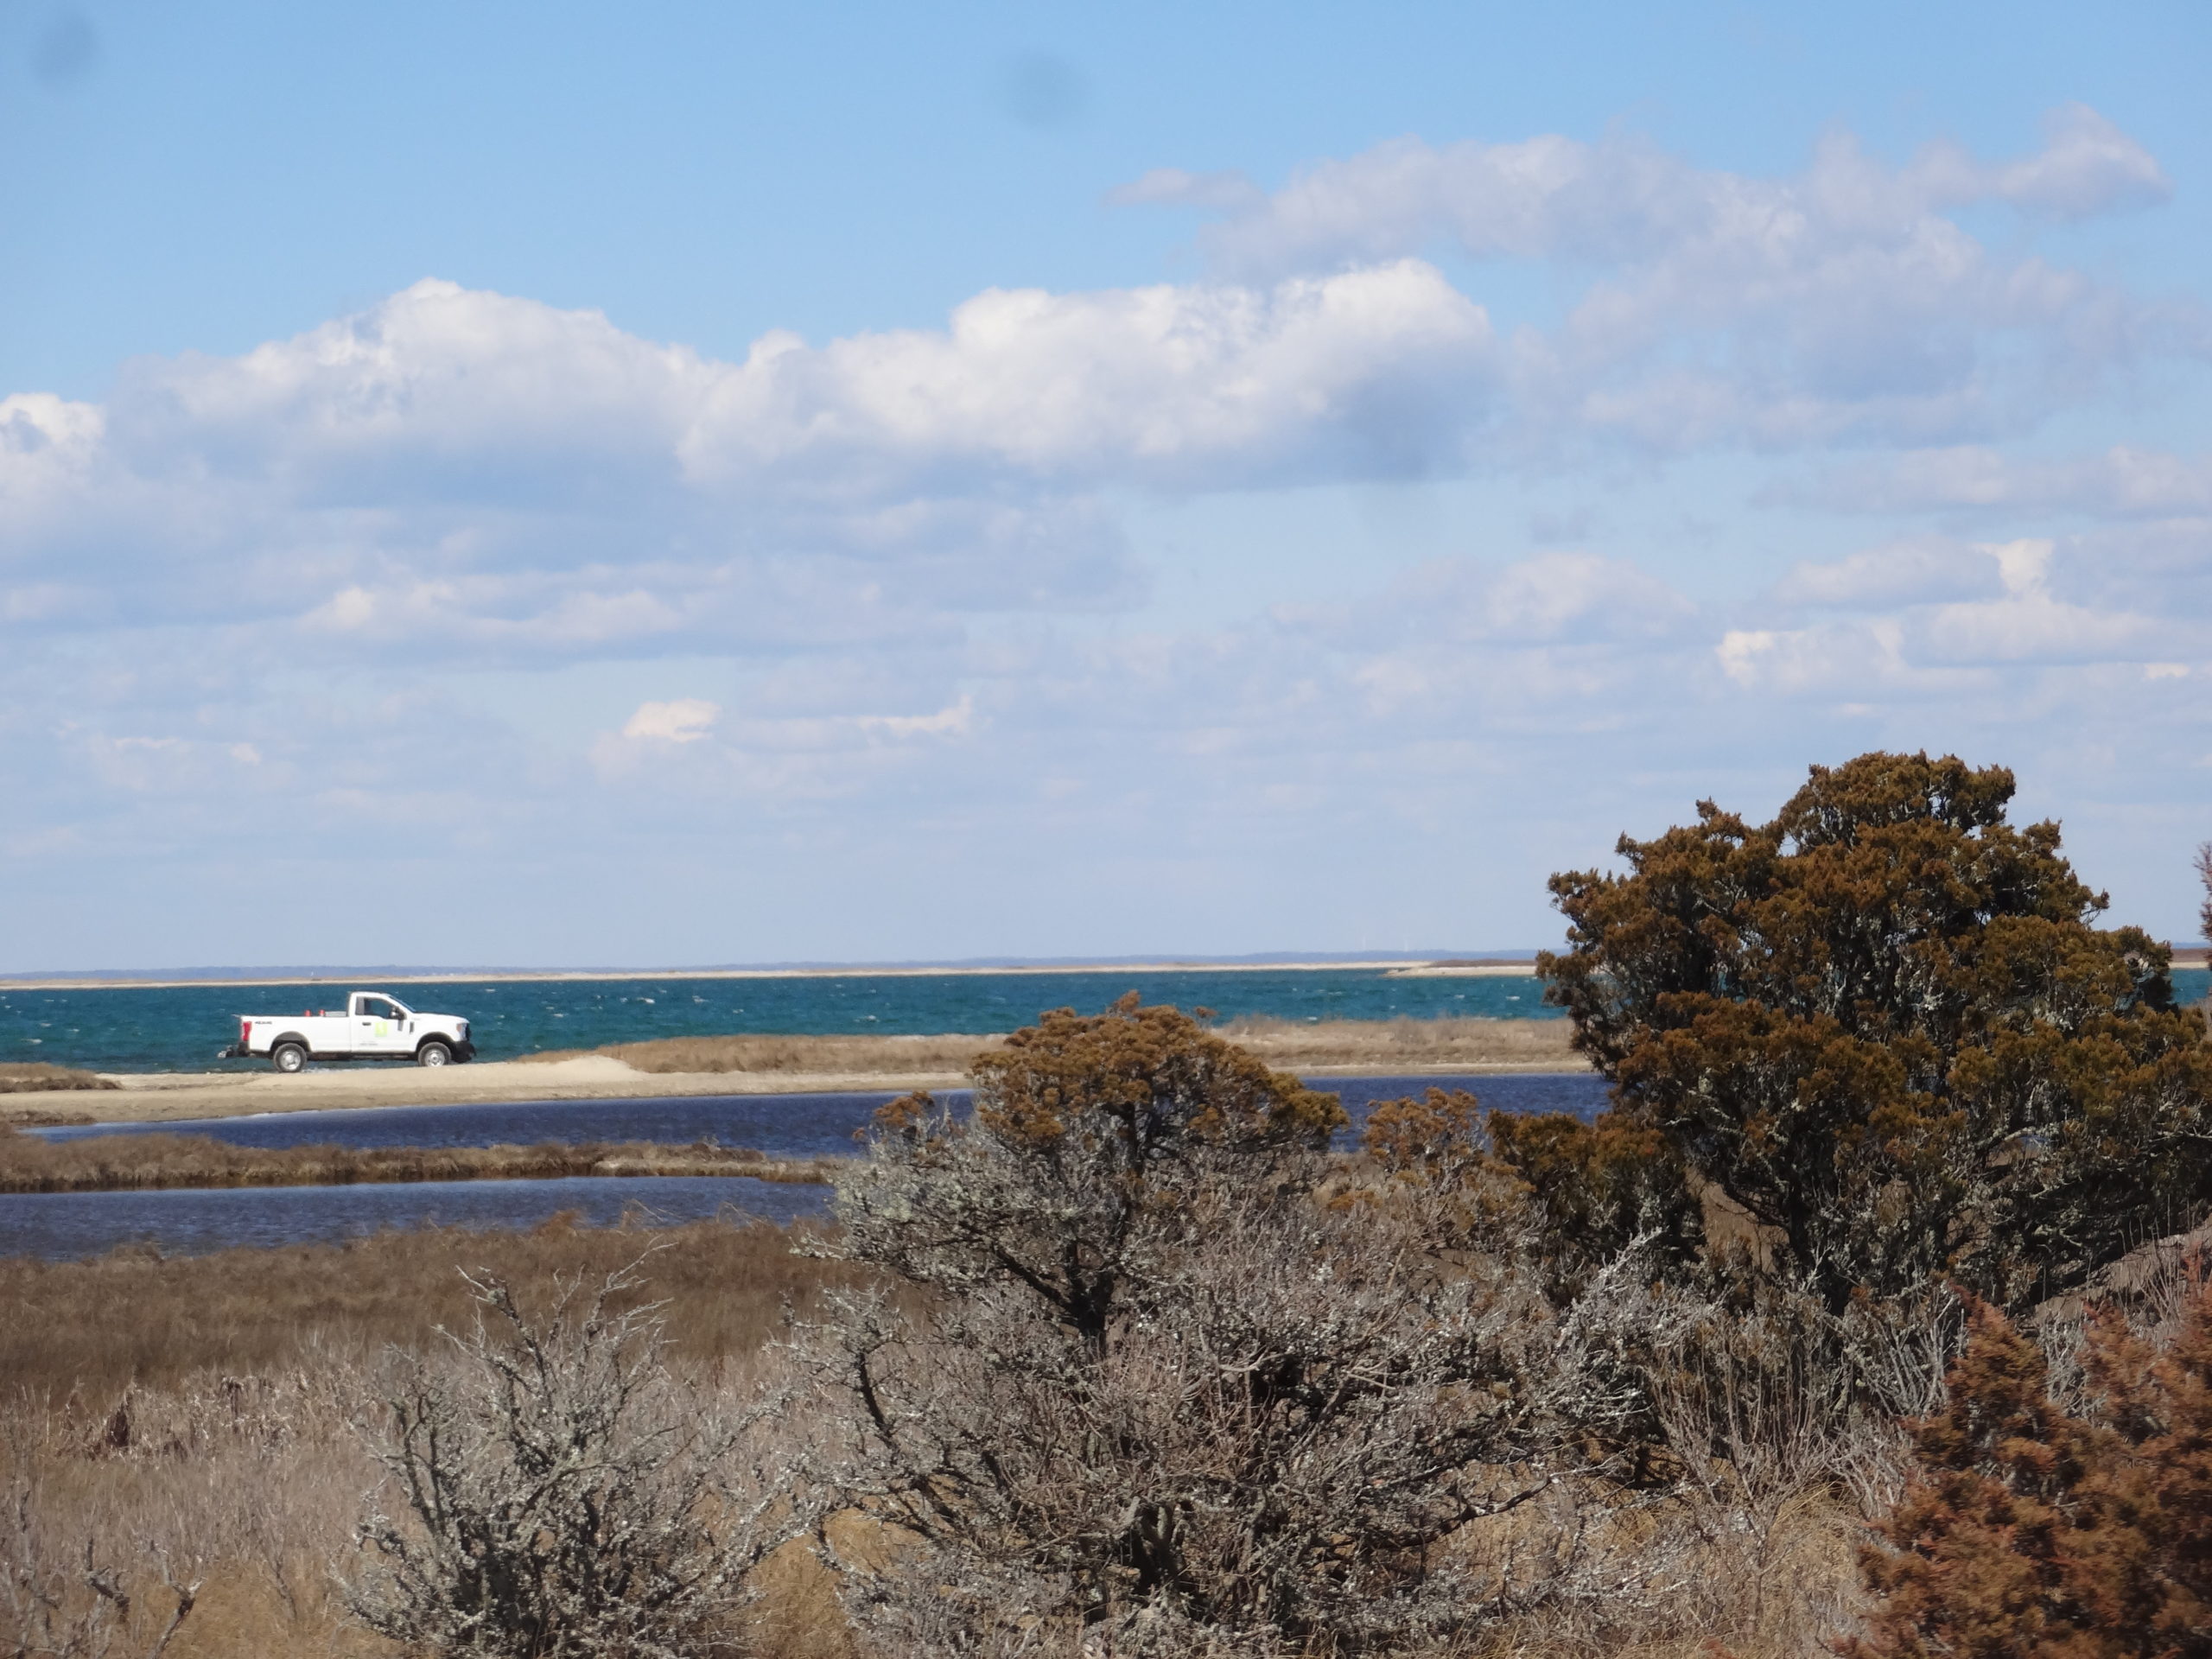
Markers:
<point>1166,1399</point>
<point>563,1494</point>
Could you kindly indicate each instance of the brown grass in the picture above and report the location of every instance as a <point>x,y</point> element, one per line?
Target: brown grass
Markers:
<point>1409,1045</point>
<point>134,1318</point>
<point>1383,1045</point>
<point>34,1077</point>
<point>188,1422</point>
<point>111,1163</point>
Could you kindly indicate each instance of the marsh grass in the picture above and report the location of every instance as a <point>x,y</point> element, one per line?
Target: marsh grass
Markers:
<point>187,1425</point>
<point>1405,1044</point>
<point>92,1331</point>
<point>146,1162</point>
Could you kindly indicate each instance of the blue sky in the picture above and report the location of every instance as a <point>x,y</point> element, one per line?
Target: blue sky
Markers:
<point>704,484</point>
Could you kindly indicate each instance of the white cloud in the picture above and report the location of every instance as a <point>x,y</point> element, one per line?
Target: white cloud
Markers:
<point>1720,306</point>
<point>1623,201</point>
<point>1199,385</point>
<point>2123,481</point>
<point>955,720</point>
<point>686,719</point>
<point>2087,166</point>
<point>1879,578</point>
<point>1933,606</point>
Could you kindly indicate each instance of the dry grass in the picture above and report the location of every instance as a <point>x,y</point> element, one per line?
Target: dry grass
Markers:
<point>144,1162</point>
<point>819,1056</point>
<point>1409,1044</point>
<point>34,1078</point>
<point>189,1420</point>
<point>1380,1044</point>
<point>134,1319</point>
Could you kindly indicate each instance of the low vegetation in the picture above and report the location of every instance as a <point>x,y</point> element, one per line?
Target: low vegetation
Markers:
<point>35,1077</point>
<point>144,1163</point>
<point>1839,1333</point>
<point>1411,1046</point>
<point>85,1335</point>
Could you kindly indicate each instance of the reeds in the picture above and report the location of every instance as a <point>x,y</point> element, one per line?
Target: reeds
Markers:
<point>133,1318</point>
<point>1409,1044</point>
<point>111,1163</point>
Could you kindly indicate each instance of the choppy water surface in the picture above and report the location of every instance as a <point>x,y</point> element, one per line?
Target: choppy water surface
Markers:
<point>786,1126</point>
<point>181,1027</point>
<point>175,1027</point>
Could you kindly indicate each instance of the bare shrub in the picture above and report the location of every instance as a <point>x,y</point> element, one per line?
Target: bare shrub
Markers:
<point>1170,1396</point>
<point>1286,1434</point>
<point>564,1493</point>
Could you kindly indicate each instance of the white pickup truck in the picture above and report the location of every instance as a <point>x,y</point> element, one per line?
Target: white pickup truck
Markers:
<point>373,1026</point>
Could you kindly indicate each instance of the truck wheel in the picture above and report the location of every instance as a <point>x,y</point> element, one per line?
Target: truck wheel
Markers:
<point>288,1057</point>
<point>433,1053</point>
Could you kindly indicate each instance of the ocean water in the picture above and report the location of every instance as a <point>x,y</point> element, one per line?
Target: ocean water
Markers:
<point>181,1027</point>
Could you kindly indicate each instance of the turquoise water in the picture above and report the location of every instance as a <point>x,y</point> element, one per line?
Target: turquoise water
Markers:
<point>182,1026</point>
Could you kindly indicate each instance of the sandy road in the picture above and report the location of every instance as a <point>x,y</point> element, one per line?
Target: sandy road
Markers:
<point>154,1097</point>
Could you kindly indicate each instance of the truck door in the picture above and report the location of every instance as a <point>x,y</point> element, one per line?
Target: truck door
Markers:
<point>380,1027</point>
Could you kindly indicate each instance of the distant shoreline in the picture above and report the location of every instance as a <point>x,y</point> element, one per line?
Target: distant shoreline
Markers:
<point>1500,967</point>
<point>1402,966</point>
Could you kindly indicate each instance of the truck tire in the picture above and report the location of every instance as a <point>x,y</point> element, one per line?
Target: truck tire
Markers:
<point>288,1057</point>
<point>433,1053</point>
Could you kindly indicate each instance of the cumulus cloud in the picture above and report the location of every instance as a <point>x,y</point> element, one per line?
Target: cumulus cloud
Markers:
<point>503,476</point>
<point>1846,301</point>
<point>1906,617</point>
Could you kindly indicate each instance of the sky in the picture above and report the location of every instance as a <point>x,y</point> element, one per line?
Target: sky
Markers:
<point>689,484</point>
